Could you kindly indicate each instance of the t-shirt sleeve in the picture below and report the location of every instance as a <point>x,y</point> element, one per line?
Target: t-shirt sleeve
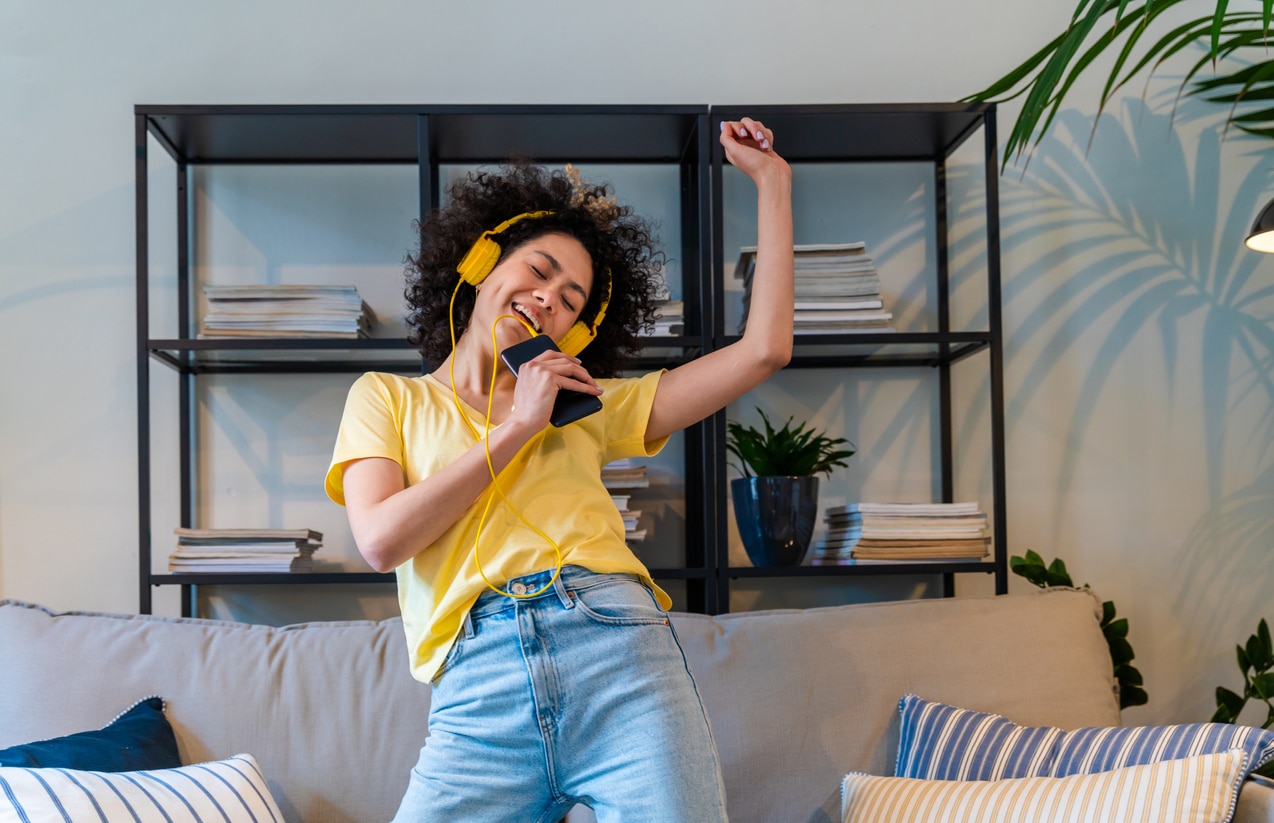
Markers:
<point>370,427</point>
<point>629,404</point>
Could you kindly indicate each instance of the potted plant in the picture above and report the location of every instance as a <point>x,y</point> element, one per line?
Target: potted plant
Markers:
<point>776,499</point>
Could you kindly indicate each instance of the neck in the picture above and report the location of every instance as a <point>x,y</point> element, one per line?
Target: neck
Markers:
<point>471,365</point>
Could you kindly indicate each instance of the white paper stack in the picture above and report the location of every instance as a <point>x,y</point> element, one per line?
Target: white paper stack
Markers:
<point>244,550</point>
<point>837,289</point>
<point>922,531</point>
<point>285,311</point>
<point>844,528</point>
<point>632,534</point>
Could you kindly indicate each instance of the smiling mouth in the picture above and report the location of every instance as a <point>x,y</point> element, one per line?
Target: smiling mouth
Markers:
<point>535,324</point>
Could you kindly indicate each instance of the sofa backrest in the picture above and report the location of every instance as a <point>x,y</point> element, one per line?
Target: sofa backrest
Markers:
<point>329,710</point>
<point>796,698</point>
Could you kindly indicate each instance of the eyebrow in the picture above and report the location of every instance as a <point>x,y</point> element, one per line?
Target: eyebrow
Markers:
<point>557,267</point>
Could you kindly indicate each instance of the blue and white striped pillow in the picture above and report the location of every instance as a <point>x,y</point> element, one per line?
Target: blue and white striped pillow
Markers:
<point>943,742</point>
<point>227,790</point>
<point>1201,789</point>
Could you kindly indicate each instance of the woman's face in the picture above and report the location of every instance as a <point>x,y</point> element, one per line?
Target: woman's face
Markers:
<point>544,282</point>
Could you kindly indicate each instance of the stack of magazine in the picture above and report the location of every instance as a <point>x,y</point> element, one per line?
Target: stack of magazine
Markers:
<point>632,534</point>
<point>922,531</point>
<point>669,320</point>
<point>837,289</point>
<point>286,311</point>
<point>618,478</point>
<point>844,528</point>
<point>244,550</point>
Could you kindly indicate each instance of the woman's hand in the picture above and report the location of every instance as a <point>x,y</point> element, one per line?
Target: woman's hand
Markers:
<point>749,146</point>
<point>539,381</point>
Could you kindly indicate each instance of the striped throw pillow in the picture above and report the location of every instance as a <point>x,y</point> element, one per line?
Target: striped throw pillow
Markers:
<point>1201,789</point>
<point>941,742</point>
<point>228,790</point>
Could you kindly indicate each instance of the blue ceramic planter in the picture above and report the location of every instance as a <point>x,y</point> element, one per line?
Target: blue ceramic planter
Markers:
<point>776,517</point>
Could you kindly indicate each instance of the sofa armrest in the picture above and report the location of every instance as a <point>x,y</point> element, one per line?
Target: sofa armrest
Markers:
<point>1256,801</point>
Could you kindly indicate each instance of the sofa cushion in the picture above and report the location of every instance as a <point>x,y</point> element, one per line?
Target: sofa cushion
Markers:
<point>944,742</point>
<point>138,738</point>
<point>231,790</point>
<point>797,698</point>
<point>329,710</point>
<point>1200,789</point>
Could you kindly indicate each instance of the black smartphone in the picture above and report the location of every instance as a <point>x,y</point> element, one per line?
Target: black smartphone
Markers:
<point>569,405</point>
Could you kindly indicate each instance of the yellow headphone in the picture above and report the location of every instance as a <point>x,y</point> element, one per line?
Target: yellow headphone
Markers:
<point>485,253</point>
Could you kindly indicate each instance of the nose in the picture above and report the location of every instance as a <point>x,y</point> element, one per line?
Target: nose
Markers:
<point>547,297</point>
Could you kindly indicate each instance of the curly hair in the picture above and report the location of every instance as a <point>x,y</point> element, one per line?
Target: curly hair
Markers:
<point>614,237</point>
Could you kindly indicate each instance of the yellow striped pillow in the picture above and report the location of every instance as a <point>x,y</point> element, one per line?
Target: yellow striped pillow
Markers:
<point>1202,789</point>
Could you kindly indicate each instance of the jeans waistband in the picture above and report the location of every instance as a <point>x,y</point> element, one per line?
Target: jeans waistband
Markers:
<point>490,602</point>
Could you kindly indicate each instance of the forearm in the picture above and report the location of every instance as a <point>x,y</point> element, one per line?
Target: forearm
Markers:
<point>692,391</point>
<point>767,338</point>
<point>392,525</point>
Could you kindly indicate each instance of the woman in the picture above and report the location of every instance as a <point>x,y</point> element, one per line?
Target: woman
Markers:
<point>556,676</point>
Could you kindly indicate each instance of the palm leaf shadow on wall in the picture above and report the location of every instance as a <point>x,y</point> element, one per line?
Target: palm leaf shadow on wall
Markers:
<point>1135,238</point>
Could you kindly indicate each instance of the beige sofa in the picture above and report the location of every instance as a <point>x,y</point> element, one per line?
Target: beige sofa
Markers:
<point>796,698</point>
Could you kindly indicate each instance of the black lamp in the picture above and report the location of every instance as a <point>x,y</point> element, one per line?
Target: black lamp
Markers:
<point>1261,238</point>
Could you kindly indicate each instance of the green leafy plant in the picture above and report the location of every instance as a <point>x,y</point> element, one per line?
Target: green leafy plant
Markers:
<point>1115,630</point>
<point>1096,25</point>
<point>785,452</point>
<point>1256,663</point>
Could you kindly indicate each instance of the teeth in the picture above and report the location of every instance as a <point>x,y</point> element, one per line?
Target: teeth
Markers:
<point>534,324</point>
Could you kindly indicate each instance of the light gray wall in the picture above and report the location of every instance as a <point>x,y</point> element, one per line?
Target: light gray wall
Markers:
<point>1138,379</point>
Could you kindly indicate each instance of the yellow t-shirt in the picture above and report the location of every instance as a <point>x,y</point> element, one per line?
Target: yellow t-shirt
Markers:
<point>554,481</point>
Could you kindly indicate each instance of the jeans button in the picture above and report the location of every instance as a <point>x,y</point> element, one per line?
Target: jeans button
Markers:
<point>519,588</point>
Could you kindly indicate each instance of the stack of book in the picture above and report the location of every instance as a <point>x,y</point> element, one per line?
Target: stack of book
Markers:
<point>286,311</point>
<point>244,550</point>
<point>632,534</point>
<point>922,531</point>
<point>844,528</point>
<point>670,318</point>
<point>837,289</point>
<point>624,474</point>
<point>618,477</point>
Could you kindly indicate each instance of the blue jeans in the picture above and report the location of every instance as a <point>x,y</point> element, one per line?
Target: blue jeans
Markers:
<point>579,695</point>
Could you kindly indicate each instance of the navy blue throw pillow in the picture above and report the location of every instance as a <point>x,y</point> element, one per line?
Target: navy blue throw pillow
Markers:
<point>139,739</point>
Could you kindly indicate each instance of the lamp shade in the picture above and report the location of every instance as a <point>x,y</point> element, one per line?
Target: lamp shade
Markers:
<point>1261,238</point>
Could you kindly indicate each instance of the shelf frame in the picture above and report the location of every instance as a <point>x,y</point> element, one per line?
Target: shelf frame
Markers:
<point>430,136</point>
<point>426,137</point>
<point>887,133</point>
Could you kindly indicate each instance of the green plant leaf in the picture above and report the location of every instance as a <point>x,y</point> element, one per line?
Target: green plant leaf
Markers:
<point>1116,628</point>
<point>1132,696</point>
<point>1245,665</point>
<point>1263,685</point>
<point>1057,574</point>
<point>1120,650</point>
<point>1107,612</point>
<point>787,451</point>
<point>1263,637</point>
<point>1128,676</point>
<point>1031,568</point>
<point>1254,650</point>
<point>1230,702</point>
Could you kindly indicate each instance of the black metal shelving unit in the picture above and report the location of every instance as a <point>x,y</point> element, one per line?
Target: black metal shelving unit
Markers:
<point>426,137</point>
<point>430,136</point>
<point>887,133</point>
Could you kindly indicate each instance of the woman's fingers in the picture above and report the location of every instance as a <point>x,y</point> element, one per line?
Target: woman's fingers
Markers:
<point>750,132</point>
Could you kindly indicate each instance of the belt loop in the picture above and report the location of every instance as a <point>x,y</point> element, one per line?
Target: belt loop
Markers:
<point>559,586</point>
<point>468,625</point>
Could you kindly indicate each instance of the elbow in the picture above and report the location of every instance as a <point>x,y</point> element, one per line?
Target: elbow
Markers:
<point>378,553</point>
<point>775,358</point>
<point>378,560</point>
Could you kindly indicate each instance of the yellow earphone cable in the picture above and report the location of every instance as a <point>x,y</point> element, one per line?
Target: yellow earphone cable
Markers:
<point>485,437</point>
